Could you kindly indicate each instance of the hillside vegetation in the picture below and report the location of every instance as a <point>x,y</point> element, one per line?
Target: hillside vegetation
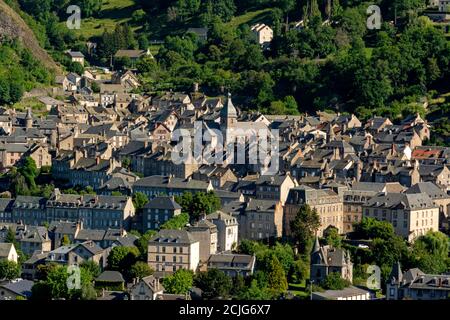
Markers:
<point>13,26</point>
<point>334,63</point>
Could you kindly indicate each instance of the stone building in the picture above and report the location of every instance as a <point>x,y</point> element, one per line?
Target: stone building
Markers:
<point>261,220</point>
<point>326,202</point>
<point>416,285</point>
<point>206,233</point>
<point>411,215</point>
<point>326,260</point>
<point>171,250</point>
<point>158,211</point>
<point>227,230</point>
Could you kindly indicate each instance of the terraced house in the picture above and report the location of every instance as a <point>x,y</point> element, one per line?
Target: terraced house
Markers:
<point>412,215</point>
<point>99,212</point>
<point>329,206</point>
<point>168,185</point>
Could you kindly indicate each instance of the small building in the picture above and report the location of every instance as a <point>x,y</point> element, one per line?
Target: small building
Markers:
<point>147,288</point>
<point>326,260</point>
<point>350,293</point>
<point>233,264</point>
<point>111,280</point>
<point>263,34</point>
<point>76,56</point>
<point>8,252</point>
<point>16,289</point>
<point>50,103</point>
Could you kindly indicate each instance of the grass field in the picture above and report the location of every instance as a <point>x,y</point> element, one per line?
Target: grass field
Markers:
<point>113,12</point>
<point>33,103</point>
<point>299,290</point>
<point>250,18</point>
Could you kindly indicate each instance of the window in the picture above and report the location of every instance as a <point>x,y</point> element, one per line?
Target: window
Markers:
<point>174,259</point>
<point>181,250</point>
<point>164,249</point>
<point>392,292</point>
<point>174,268</point>
<point>163,258</point>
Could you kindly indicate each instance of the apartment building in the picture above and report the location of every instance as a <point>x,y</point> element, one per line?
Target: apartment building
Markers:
<point>171,250</point>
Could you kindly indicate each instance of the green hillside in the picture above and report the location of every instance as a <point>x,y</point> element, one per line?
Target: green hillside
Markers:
<point>112,12</point>
<point>334,63</point>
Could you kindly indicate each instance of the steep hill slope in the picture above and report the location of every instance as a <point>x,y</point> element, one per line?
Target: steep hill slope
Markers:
<point>13,26</point>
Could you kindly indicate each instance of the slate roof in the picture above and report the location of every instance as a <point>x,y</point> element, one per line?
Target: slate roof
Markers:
<point>21,287</point>
<point>173,236</point>
<point>110,276</point>
<point>261,205</point>
<point>163,203</point>
<point>170,182</point>
<point>75,54</point>
<point>28,202</point>
<point>429,188</point>
<point>344,293</point>
<point>232,261</point>
<point>6,204</point>
<point>408,201</point>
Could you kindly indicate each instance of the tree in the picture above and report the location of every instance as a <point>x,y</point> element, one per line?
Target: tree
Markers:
<point>199,203</point>
<point>332,237</point>
<point>141,270</point>
<point>214,284</point>
<point>255,292</point>
<point>9,270</point>
<point>299,271</point>
<point>176,223</point>
<point>89,8</point>
<point>11,237</point>
<point>334,281</point>
<point>29,170</point>
<point>370,228</point>
<point>140,200</point>
<point>276,276</point>
<point>142,243</point>
<point>75,67</point>
<point>54,286</point>
<point>92,267</point>
<point>304,226</point>
<point>122,258</point>
<point>430,253</point>
<point>180,282</point>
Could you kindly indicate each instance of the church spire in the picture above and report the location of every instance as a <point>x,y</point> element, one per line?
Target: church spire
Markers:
<point>29,119</point>
<point>316,247</point>
<point>228,114</point>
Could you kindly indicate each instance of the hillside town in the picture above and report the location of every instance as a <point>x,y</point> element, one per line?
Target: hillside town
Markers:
<point>117,145</point>
<point>115,184</point>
